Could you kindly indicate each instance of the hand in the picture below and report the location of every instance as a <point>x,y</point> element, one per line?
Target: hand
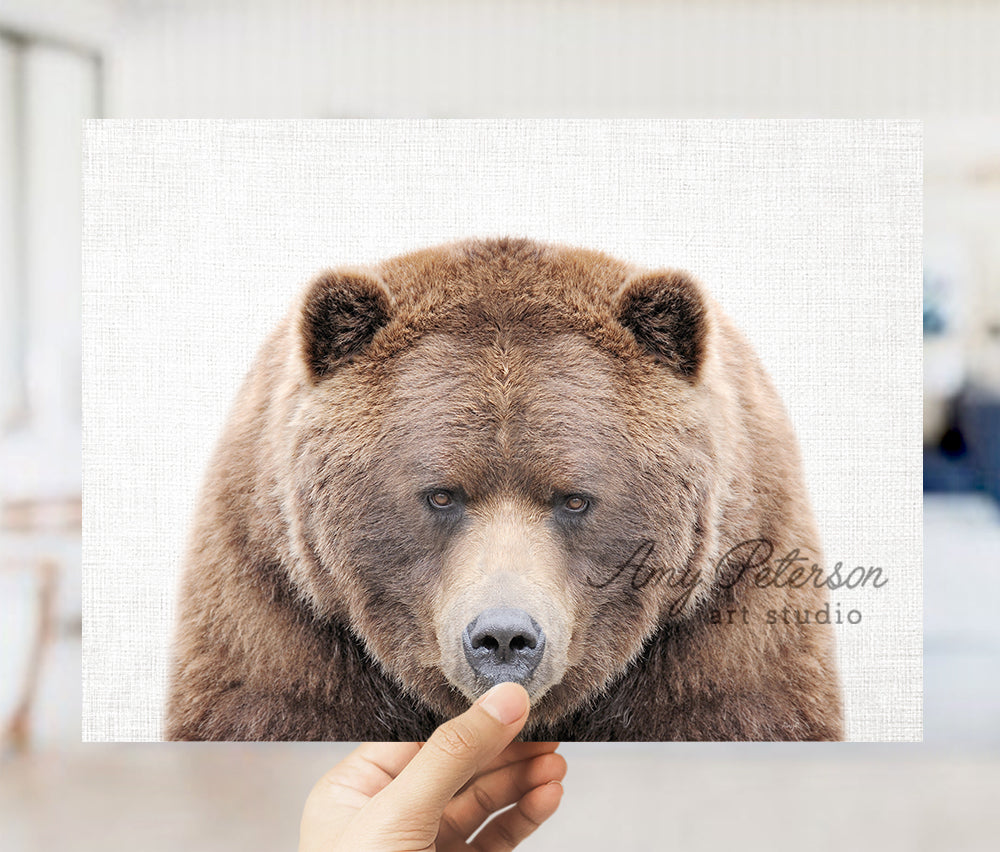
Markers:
<point>406,797</point>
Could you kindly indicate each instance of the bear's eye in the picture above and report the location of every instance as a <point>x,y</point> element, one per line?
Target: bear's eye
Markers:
<point>576,504</point>
<point>441,499</point>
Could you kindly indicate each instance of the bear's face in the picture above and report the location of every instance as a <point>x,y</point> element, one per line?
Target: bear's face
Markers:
<point>512,491</point>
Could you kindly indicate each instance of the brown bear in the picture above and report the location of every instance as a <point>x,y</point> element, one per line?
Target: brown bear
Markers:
<point>503,460</point>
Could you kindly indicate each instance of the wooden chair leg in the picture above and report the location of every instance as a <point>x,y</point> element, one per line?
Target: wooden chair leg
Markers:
<point>17,732</point>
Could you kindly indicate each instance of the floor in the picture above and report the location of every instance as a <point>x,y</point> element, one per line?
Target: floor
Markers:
<point>939,795</point>
<point>617,797</point>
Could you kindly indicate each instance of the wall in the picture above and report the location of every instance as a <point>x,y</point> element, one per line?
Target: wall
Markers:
<point>435,58</point>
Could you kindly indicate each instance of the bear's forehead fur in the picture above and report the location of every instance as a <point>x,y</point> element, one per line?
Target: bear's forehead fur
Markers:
<point>504,366</point>
<point>499,414</point>
<point>521,289</point>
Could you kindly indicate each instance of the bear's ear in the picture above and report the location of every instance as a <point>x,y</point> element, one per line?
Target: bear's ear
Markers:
<point>340,316</point>
<point>667,316</point>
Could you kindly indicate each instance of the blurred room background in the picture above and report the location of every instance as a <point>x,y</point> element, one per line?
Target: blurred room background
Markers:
<point>62,61</point>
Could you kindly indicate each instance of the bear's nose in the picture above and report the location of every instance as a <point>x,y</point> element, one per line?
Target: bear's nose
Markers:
<point>503,644</point>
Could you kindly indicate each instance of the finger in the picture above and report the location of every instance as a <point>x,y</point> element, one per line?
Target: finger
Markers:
<point>337,797</point>
<point>495,791</point>
<point>455,752</point>
<point>390,758</point>
<point>514,753</point>
<point>367,770</point>
<point>506,830</point>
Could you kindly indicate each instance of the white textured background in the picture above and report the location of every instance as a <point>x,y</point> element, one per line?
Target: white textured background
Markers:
<point>198,234</point>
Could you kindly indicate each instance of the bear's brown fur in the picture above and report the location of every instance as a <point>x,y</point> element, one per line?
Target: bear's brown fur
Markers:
<point>603,438</point>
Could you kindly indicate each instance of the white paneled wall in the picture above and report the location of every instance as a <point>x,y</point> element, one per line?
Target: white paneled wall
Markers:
<point>45,90</point>
<point>484,58</point>
<point>12,397</point>
<point>59,89</point>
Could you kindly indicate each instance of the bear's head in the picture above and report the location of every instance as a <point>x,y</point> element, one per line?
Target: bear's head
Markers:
<point>502,465</point>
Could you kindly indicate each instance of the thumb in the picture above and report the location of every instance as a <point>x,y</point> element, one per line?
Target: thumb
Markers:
<point>455,752</point>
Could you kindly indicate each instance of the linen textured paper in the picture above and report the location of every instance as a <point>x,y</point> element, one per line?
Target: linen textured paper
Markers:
<point>198,237</point>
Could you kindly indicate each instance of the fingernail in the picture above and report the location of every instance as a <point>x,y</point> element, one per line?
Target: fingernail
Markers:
<point>506,702</point>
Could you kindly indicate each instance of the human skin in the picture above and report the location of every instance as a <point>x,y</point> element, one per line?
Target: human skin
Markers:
<point>407,797</point>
